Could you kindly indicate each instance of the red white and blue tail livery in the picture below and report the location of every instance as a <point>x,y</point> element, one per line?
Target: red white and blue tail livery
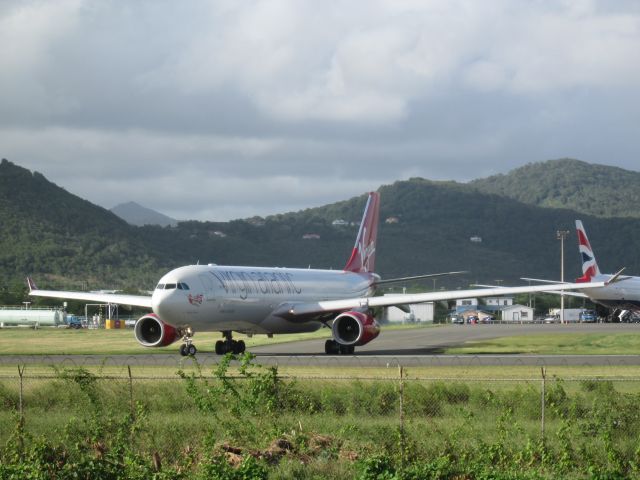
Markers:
<point>589,265</point>
<point>620,292</point>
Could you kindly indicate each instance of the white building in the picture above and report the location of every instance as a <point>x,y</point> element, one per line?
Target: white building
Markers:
<point>499,301</point>
<point>517,313</point>
<point>465,304</point>
<point>419,312</point>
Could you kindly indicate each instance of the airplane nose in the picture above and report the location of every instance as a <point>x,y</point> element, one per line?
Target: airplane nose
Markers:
<point>165,304</point>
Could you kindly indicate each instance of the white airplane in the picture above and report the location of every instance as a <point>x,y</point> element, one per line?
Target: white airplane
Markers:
<point>259,300</point>
<point>621,292</point>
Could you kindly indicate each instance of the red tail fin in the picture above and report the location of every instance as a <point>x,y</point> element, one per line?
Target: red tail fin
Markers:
<point>363,257</point>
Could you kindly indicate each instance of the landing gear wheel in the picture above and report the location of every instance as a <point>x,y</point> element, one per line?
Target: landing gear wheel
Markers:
<point>240,347</point>
<point>346,349</point>
<point>331,347</point>
<point>187,348</point>
<point>220,347</point>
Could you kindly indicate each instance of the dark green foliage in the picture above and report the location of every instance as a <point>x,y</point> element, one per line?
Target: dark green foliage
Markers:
<point>219,469</point>
<point>595,190</point>
<point>479,430</point>
<point>46,230</point>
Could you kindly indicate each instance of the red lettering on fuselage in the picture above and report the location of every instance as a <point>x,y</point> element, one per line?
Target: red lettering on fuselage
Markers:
<point>245,284</point>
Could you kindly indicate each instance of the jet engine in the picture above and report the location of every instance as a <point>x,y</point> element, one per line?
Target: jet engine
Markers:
<point>354,329</point>
<point>151,331</point>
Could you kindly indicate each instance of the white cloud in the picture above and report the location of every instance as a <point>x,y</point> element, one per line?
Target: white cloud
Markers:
<point>309,100</point>
<point>28,31</point>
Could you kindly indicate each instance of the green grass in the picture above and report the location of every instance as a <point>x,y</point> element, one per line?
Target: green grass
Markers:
<point>473,429</point>
<point>63,341</point>
<point>556,344</point>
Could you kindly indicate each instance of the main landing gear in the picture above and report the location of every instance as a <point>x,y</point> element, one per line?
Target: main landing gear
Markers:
<point>229,345</point>
<point>331,347</point>
<point>188,348</point>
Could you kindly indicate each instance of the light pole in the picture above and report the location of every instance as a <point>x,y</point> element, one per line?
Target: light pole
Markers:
<point>561,235</point>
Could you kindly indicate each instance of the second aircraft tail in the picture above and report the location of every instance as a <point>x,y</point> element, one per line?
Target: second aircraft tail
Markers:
<point>589,265</point>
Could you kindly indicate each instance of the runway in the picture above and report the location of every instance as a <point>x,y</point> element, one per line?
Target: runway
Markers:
<point>410,347</point>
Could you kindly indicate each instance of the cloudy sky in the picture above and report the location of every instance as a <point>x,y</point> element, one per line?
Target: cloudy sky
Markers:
<point>223,109</point>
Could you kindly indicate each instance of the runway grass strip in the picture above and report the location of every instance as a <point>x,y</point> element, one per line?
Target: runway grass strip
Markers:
<point>555,344</point>
<point>64,341</point>
<point>452,373</point>
<point>60,341</point>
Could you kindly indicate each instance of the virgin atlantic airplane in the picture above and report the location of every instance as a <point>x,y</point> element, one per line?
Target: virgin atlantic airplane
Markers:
<point>259,300</point>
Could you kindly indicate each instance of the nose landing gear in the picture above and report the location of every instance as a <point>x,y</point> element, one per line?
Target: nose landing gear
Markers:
<point>188,348</point>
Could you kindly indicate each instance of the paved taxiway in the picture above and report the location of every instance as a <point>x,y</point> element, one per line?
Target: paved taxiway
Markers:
<point>420,346</point>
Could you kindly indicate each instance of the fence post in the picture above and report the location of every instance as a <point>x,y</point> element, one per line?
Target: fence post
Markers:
<point>131,406</point>
<point>20,374</point>
<point>543,371</point>
<point>402,440</point>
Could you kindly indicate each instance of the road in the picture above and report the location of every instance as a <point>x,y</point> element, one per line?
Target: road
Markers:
<point>420,346</point>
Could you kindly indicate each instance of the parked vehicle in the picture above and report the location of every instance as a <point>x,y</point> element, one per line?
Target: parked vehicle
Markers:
<point>570,314</point>
<point>588,316</point>
<point>74,322</point>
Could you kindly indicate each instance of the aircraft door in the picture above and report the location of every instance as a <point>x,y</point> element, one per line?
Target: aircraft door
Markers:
<point>207,284</point>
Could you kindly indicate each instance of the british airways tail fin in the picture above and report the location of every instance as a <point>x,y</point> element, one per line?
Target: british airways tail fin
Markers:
<point>589,265</point>
<point>363,257</point>
<point>31,284</point>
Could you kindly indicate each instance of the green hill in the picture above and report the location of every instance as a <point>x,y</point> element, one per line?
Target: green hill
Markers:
<point>68,242</point>
<point>590,189</point>
<point>47,230</point>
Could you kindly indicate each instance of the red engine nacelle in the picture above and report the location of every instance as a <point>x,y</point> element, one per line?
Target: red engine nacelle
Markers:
<point>151,331</point>
<point>355,328</point>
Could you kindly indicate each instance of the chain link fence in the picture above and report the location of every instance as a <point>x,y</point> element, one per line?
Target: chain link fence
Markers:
<point>367,409</point>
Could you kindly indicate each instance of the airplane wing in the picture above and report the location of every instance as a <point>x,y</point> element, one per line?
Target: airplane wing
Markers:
<point>302,311</point>
<point>557,292</point>
<point>114,298</point>
<point>417,277</point>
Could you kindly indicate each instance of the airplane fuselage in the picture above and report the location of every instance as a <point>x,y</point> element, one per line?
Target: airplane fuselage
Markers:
<point>623,294</point>
<point>244,299</point>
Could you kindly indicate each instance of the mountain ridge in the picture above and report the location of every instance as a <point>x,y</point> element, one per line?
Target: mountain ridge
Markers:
<point>592,189</point>
<point>67,241</point>
<point>136,214</point>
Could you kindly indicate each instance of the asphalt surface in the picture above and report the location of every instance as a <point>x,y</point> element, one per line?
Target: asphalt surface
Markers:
<point>420,346</point>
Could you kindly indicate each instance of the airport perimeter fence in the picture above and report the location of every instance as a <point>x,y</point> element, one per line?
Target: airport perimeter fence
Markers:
<point>397,392</point>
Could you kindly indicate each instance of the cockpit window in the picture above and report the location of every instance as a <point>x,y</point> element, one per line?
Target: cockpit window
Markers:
<point>183,286</point>
<point>170,286</point>
<point>160,286</point>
